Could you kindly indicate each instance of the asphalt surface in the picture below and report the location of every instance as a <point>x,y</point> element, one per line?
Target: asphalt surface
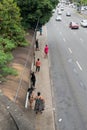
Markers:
<point>68,71</point>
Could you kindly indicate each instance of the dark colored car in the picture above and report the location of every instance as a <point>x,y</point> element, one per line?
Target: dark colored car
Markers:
<point>73,25</point>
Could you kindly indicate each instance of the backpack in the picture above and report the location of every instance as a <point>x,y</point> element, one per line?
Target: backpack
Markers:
<point>39,104</point>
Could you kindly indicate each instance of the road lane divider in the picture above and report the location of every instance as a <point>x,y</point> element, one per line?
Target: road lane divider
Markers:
<point>79,65</point>
<point>81,39</point>
<point>60,33</point>
<point>70,50</point>
<point>64,39</point>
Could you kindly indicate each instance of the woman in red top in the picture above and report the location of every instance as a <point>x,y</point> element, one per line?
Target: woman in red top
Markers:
<point>46,49</point>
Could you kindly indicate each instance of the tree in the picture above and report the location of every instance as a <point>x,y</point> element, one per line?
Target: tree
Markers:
<point>33,11</point>
<point>11,34</point>
<point>10,22</point>
<point>54,3</point>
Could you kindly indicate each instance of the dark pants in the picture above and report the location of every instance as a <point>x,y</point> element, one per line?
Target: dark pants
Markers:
<point>33,83</point>
<point>37,46</point>
<point>37,68</point>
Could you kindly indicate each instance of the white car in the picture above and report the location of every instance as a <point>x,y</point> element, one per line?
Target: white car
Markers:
<point>82,8</point>
<point>83,23</point>
<point>58,18</point>
<point>53,11</point>
<point>62,8</point>
<point>68,14</point>
<point>59,12</point>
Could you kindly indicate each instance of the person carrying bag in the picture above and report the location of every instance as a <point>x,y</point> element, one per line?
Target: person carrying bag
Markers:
<point>39,103</point>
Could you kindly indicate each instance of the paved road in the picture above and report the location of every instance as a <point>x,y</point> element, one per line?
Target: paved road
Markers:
<point>68,54</point>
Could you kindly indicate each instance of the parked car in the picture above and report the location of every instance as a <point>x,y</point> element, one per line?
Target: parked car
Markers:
<point>83,23</point>
<point>82,8</point>
<point>58,18</point>
<point>73,25</point>
<point>68,14</point>
<point>85,7</point>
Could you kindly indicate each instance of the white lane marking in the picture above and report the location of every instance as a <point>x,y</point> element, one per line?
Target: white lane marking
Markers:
<point>64,39</point>
<point>70,50</point>
<point>60,119</point>
<point>81,39</point>
<point>79,65</point>
<point>60,33</point>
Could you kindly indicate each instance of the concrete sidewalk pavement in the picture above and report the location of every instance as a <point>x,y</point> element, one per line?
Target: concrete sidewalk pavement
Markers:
<point>26,119</point>
<point>44,121</point>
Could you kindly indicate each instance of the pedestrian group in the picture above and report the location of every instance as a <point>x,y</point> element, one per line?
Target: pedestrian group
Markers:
<point>39,100</point>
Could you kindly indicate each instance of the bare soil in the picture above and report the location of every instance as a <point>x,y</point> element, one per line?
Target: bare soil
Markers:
<point>15,88</point>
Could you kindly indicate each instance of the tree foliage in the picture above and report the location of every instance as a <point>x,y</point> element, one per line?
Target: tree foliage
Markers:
<point>34,10</point>
<point>11,34</point>
<point>83,2</point>
<point>10,22</point>
<point>14,16</point>
<point>80,2</point>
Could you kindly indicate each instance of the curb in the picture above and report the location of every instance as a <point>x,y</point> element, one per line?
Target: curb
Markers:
<point>51,83</point>
<point>51,110</point>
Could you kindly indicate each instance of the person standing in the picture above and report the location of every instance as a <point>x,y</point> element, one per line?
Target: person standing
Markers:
<point>33,79</point>
<point>40,30</point>
<point>31,96</point>
<point>46,50</point>
<point>38,64</point>
<point>37,45</point>
<point>39,103</point>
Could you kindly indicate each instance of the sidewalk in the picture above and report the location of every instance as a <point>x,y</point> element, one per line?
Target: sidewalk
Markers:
<point>44,121</point>
<point>27,119</point>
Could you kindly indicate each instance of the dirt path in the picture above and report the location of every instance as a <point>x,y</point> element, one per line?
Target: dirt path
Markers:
<point>9,88</point>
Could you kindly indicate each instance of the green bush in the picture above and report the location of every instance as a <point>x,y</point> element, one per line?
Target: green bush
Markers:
<point>9,71</point>
<point>7,44</point>
<point>12,35</point>
<point>5,58</point>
